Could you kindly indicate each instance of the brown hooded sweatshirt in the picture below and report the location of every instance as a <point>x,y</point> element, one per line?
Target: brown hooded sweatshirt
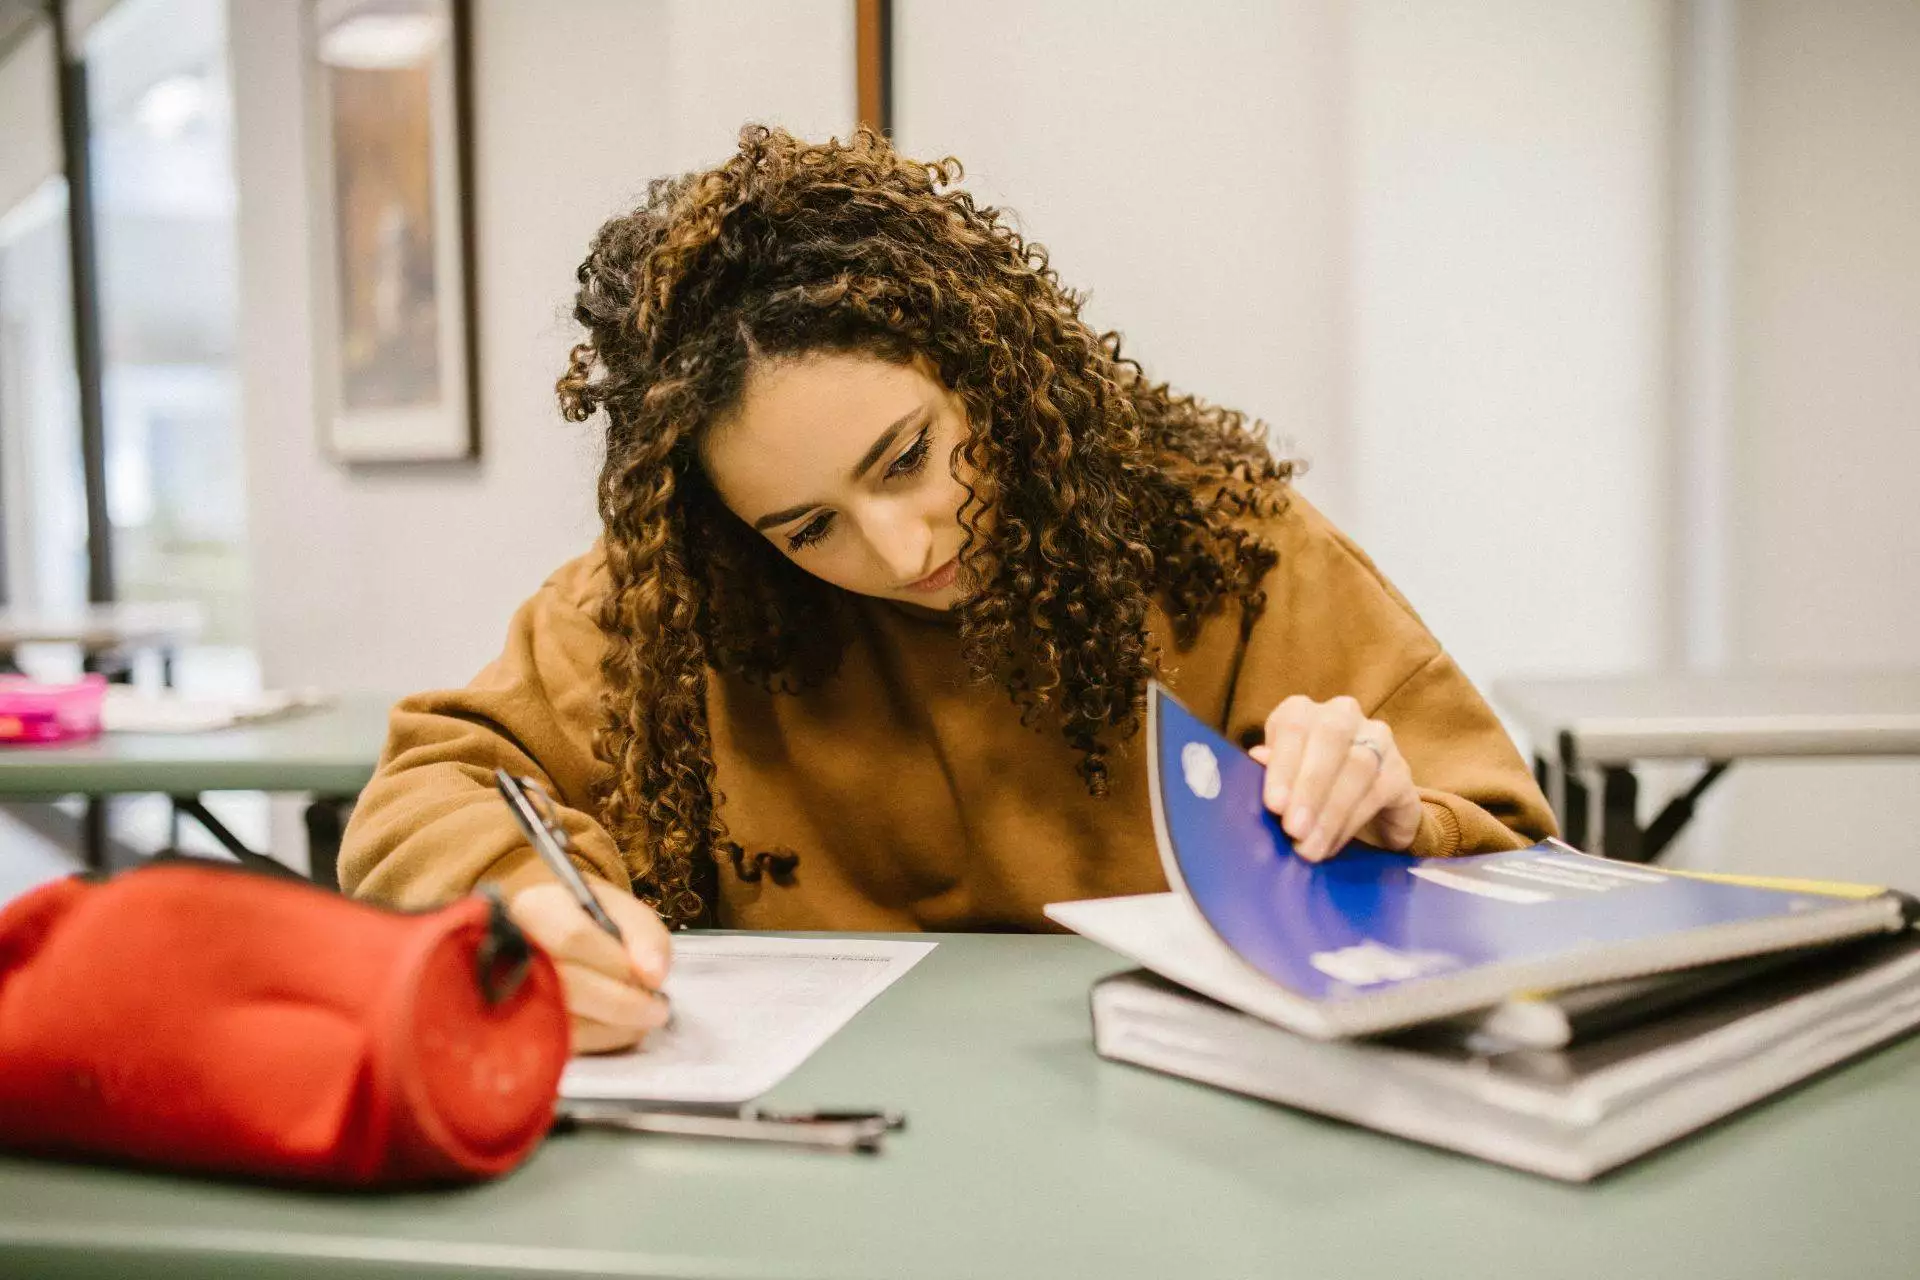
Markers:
<point>912,796</point>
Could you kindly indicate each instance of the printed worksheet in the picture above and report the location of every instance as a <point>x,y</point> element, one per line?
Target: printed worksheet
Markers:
<point>746,1012</point>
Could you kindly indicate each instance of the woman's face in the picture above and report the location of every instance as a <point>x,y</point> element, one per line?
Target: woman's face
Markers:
<point>845,464</point>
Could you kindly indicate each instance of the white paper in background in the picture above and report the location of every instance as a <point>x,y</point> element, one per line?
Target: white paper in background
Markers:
<point>746,1012</point>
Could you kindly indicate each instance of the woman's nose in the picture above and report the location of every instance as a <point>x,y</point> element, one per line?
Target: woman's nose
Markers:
<point>902,543</point>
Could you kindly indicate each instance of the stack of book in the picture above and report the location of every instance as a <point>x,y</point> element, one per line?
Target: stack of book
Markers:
<point>1545,1009</point>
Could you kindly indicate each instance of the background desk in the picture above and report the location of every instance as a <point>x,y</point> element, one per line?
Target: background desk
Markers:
<point>107,635</point>
<point>1027,1156</point>
<point>110,637</point>
<point>329,753</point>
<point>1588,736</point>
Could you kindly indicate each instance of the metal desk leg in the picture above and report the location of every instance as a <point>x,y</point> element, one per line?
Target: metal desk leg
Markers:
<point>1622,836</point>
<point>94,827</point>
<point>1565,796</point>
<point>1620,816</point>
<point>173,808</point>
<point>93,831</point>
<point>194,807</point>
<point>326,823</point>
<point>1568,793</point>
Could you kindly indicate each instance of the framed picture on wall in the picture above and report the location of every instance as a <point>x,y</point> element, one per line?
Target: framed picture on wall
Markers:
<point>392,217</point>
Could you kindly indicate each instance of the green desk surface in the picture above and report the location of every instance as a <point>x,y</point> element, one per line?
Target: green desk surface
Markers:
<point>1027,1156</point>
<point>331,749</point>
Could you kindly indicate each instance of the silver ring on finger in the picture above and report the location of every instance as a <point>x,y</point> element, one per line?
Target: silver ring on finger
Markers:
<point>1379,752</point>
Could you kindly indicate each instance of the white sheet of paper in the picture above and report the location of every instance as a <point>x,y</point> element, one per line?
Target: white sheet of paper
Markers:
<point>1166,933</point>
<point>746,1012</point>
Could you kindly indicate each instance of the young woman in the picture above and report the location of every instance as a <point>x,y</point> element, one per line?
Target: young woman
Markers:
<point>893,543</point>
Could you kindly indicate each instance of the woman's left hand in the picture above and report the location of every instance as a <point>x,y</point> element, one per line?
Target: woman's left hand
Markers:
<point>1334,776</point>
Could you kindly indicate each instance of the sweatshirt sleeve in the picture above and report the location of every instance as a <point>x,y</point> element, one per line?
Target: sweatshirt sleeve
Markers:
<point>431,825</point>
<point>1334,625</point>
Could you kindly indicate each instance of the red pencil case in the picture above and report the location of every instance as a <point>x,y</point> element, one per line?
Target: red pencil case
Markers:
<point>201,1018</point>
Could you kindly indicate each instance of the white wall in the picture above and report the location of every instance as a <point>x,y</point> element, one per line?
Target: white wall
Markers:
<point>1426,240</point>
<point>1183,164</point>
<point>1827,393</point>
<point>1509,230</point>
<point>1824,546</point>
<point>403,578</point>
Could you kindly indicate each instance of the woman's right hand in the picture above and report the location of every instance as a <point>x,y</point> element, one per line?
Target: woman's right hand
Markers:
<point>609,987</point>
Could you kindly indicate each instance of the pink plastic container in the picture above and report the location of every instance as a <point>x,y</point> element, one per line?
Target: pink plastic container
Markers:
<point>34,714</point>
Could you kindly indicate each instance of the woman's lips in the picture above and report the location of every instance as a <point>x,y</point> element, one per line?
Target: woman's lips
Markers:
<point>939,580</point>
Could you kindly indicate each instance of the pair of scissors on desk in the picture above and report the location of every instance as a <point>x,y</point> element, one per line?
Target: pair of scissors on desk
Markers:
<point>843,1131</point>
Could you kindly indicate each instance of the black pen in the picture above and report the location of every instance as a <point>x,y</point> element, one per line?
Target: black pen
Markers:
<point>549,840</point>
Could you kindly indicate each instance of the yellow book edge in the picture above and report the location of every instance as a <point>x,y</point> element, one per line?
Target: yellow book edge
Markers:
<point>1786,884</point>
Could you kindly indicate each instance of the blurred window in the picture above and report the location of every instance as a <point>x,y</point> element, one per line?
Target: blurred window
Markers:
<point>41,490</point>
<point>166,262</point>
<point>162,138</point>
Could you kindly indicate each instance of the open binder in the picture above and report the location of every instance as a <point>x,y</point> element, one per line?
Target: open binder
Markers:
<point>1373,986</point>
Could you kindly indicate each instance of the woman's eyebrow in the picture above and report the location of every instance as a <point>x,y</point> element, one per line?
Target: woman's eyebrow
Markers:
<point>867,459</point>
<point>781,516</point>
<point>880,446</point>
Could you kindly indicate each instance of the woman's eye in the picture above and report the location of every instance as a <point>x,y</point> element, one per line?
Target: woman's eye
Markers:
<point>810,532</point>
<point>910,462</point>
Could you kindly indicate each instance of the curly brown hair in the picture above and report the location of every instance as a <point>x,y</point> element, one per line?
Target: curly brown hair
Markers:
<point>1106,491</point>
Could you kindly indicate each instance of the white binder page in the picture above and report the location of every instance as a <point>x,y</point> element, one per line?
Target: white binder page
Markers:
<point>746,1012</point>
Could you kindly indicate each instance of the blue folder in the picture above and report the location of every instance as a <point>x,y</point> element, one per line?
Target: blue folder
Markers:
<point>1415,938</point>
